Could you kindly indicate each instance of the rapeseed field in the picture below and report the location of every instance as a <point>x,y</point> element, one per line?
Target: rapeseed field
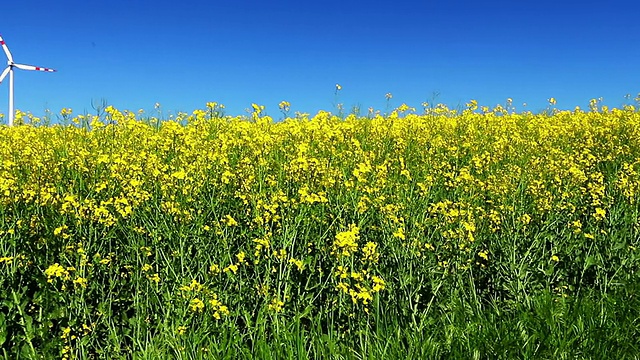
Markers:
<point>431,233</point>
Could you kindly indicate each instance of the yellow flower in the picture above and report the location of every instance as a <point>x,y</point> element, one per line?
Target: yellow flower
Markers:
<point>56,270</point>
<point>280,254</point>
<point>284,106</point>
<point>154,277</point>
<point>484,255</point>
<point>346,242</point>
<point>555,258</point>
<point>599,214</point>
<point>342,287</point>
<point>525,219</point>
<point>214,269</point>
<point>180,175</point>
<point>369,252</point>
<point>356,276</point>
<point>233,268</point>
<point>399,233</point>
<point>146,250</point>
<point>378,283</point>
<point>342,272</point>
<point>196,305</point>
<point>276,305</point>
<point>298,263</point>
<point>193,286</point>
<point>229,221</point>
<point>59,230</point>
<point>80,281</point>
<point>577,226</point>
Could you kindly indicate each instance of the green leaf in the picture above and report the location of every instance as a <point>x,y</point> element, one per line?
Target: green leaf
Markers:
<point>28,324</point>
<point>590,261</point>
<point>549,270</point>
<point>3,329</point>
<point>25,351</point>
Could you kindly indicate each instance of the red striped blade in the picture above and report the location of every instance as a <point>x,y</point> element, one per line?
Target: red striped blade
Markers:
<point>6,49</point>
<point>31,67</point>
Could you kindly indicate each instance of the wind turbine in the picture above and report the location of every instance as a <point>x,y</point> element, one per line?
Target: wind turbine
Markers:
<point>9,70</point>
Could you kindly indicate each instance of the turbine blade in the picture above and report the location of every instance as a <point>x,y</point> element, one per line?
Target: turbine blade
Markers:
<point>4,73</point>
<point>31,67</point>
<point>6,49</point>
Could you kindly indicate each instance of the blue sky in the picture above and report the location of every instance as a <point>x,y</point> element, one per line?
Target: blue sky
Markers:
<point>134,54</point>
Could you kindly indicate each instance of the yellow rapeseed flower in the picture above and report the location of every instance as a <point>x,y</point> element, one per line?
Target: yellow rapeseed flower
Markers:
<point>369,252</point>
<point>55,271</point>
<point>276,305</point>
<point>298,263</point>
<point>154,278</point>
<point>229,221</point>
<point>284,106</point>
<point>80,281</point>
<point>214,269</point>
<point>599,214</point>
<point>346,242</point>
<point>399,233</point>
<point>378,283</point>
<point>196,305</point>
<point>233,268</point>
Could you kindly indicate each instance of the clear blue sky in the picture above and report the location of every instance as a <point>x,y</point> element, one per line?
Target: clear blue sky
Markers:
<point>183,54</point>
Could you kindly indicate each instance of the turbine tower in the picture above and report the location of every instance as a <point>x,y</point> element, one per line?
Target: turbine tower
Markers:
<point>9,70</point>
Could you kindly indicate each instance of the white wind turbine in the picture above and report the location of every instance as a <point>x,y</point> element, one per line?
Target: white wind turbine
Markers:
<point>9,70</point>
